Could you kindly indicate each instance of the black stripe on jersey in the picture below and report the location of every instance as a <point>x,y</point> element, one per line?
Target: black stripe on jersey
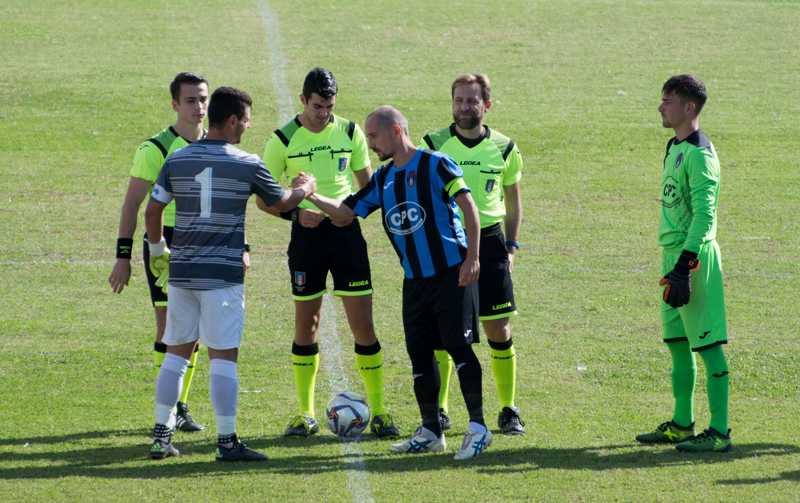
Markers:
<point>411,247</point>
<point>282,137</point>
<point>428,141</point>
<point>445,174</point>
<point>159,145</point>
<point>508,150</point>
<point>669,145</point>
<point>425,196</point>
<point>351,129</point>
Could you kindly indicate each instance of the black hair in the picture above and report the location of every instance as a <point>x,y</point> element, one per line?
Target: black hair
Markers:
<point>184,78</point>
<point>227,101</point>
<point>688,87</point>
<point>320,81</point>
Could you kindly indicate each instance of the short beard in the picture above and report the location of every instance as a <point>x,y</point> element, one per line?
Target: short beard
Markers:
<point>467,122</point>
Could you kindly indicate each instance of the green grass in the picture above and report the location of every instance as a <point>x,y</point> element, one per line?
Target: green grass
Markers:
<point>576,85</point>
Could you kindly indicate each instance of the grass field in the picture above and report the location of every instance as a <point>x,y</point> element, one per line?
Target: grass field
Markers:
<point>576,84</point>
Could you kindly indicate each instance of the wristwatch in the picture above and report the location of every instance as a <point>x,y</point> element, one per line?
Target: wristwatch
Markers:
<point>510,243</point>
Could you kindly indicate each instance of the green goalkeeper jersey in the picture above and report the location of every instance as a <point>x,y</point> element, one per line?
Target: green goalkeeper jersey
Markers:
<point>330,155</point>
<point>689,193</point>
<point>490,163</point>
<point>149,158</point>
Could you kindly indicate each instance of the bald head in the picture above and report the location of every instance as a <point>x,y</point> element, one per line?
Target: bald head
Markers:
<point>387,116</point>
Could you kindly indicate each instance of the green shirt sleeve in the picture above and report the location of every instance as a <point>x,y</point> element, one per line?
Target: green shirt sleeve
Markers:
<point>275,157</point>
<point>513,172</point>
<point>147,162</point>
<point>703,177</point>
<point>360,157</point>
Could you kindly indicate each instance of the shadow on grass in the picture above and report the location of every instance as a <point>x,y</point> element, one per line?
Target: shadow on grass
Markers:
<point>790,476</point>
<point>74,437</point>
<point>130,460</point>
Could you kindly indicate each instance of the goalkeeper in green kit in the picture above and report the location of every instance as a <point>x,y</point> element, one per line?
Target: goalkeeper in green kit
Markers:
<point>693,306</point>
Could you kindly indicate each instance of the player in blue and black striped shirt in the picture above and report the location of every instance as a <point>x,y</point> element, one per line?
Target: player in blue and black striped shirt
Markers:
<point>419,193</point>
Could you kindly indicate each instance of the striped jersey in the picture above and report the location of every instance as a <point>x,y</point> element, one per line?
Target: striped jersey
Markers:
<point>210,182</point>
<point>420,216</point>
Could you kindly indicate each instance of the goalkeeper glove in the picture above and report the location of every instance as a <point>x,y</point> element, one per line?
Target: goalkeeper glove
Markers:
<point>159,263</point>
<point>678,281</point>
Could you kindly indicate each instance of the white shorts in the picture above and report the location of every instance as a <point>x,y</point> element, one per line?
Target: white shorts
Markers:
<point>216,317</point>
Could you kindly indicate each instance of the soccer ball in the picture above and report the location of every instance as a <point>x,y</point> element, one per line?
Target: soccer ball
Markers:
<point>348,415</point>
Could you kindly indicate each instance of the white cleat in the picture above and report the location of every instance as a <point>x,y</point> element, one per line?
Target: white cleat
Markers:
<point>423,440</point>
<point>474,443</point>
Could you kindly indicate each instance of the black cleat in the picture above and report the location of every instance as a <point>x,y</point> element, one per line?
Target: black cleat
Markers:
<point>509,422</point>
<point>238,452</point>
<point>301,425</point>
<point>184,421</point>
<point>162,443</point>
<point>383,427</point>
<point>444,420</point>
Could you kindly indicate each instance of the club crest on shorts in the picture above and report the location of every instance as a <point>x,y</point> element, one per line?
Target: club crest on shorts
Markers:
<point>411,178</point>
<point>343,161</point>
<point>678,160</point>
<point>300,280</point>
<point>468,335</point>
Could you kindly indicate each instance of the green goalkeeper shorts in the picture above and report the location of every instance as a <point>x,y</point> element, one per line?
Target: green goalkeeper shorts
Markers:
<point>702,321</point>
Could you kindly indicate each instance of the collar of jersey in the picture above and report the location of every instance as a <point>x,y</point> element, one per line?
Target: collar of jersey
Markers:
<point>693,138</point>
<point>470,142</point>
<point>331,120</point>
<point>394,166</point>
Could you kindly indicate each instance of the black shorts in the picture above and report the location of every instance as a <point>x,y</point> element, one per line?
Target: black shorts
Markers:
<point>340,250</point>
<point>495,287</point>
<point>157,296</point>
<point>438,313</point>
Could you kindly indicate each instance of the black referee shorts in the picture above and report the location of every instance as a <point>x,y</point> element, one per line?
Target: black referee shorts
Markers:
<point>340,250</point>
<point>439,314</point>
<point>496,290</point>
<point>157,296</point>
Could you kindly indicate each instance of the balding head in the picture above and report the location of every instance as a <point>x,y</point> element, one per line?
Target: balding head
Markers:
<point>387,116</point>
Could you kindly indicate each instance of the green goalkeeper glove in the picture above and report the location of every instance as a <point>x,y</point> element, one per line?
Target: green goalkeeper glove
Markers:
<point>159,263</point>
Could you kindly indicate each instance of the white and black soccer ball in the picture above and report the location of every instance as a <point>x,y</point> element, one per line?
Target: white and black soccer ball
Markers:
<point>348,414</point>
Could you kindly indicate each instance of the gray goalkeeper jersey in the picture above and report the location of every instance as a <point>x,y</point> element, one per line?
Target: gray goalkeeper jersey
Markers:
<point>210,182</point>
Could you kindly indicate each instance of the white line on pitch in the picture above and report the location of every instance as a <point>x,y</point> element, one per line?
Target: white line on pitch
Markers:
<point>357,477</point>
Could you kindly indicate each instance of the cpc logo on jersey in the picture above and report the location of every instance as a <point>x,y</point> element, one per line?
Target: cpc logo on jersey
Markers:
<point>405,218</point>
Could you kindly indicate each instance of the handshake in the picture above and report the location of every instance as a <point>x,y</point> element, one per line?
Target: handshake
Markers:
<point>306,183</point>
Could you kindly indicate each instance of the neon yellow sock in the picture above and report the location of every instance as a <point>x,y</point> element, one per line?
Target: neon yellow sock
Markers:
<point>370,367</point>
<point>504,367</point>
<point>187,379</point>
<point>305,379</point>
<point>445,369</point>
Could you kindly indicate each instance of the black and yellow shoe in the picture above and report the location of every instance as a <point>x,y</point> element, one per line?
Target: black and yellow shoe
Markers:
<point>444,420</point>
<point>184,421</point>
<point>383,426</point>
<point>238,451</point>
<point>668,432</point>
<point>709,441</point>
<point>301,425</point>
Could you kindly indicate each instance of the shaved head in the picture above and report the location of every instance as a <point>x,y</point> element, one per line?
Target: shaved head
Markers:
<point>386,116</point>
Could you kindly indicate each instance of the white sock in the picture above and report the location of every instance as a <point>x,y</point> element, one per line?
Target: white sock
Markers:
<point>224,388</point>
<point>168,386</point>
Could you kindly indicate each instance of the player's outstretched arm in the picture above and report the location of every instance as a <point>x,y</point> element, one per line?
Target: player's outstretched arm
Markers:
<point>121,272</point>
<point>302,187</point>
<point>471,267</point>
<point>336,209</point>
